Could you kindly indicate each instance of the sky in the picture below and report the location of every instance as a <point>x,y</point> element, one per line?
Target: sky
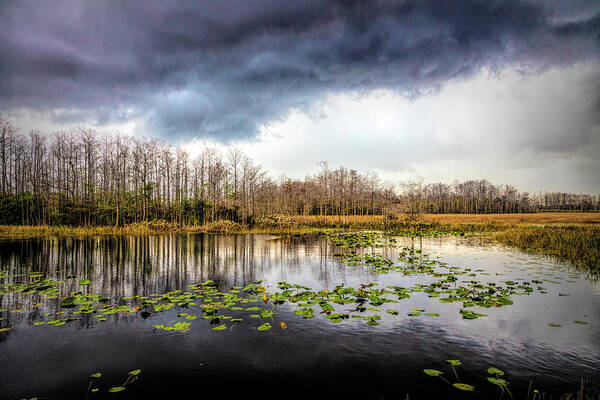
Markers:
<point>503,90</point>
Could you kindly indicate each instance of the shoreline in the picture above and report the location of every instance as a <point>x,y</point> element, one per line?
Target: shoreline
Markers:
<point>567,236</point>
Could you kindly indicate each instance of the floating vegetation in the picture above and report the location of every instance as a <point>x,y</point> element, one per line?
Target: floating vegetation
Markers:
<point>220,327</point>
<point>448,284</point>
<point>179,326</point>
<point>464,386</point>
<point>433,372</point>
<point>264,327</point>
<point>468,314</point>
<point>93,387</point>
<point>495,377</point>
<point>216,305</point>
<point>417,290</point>
<point>361,239</point>
<point>458,385</point>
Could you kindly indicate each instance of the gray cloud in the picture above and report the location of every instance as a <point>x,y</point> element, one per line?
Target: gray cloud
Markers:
<point>220,69</point>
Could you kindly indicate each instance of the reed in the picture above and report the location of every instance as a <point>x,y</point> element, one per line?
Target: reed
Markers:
<point>568,235</point>
<point>33,231</point>
<point>579,244</point>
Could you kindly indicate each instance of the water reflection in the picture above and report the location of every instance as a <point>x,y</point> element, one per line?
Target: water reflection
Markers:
<point>515,338</point>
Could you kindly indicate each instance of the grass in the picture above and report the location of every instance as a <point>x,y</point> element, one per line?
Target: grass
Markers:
<point>29,231</point>
<point>40,231</point>
<point>445,219</point>
<point>577,243</point>
<point>26,231</point>
<point>534,218</point>
<point>568,235</point>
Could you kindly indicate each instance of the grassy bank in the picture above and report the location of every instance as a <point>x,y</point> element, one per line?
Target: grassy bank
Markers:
<point>38,231</point>
<point>41,231</point>
<point>567,235</point>
<point>577,243</point>
<point>457,219</point>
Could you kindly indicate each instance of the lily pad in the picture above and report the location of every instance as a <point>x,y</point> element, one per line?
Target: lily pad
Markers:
<point>431,314</point>
<point>464,386</point>
<point>433,372</point>
<point>468,314</point>
<point>495,371</point>
<point>498,381</point>
<point>264,327</point>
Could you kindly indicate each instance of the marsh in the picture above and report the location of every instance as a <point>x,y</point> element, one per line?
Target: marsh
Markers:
<point>533,336</point>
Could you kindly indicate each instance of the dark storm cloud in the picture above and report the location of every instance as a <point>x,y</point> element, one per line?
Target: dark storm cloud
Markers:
<point>221,68</point>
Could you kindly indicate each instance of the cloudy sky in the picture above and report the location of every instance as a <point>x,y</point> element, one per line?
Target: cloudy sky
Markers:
<point>503,90</point>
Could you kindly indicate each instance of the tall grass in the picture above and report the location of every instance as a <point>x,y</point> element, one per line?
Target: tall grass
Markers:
<point>567,235</point>
<point>577,243</point>
<point>32,231</point>
<point>532,218</point>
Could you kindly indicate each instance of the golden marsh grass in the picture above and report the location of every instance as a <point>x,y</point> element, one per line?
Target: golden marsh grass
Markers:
<point>568,235</point>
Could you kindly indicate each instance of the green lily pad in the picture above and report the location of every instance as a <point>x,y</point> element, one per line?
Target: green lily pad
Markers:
<point>68,302</point>
<point>264,327</point>
<point>498,381</point>
<point>495,371</point>
<point>468,314</point>
<point>431,314</point>
<point>305,313</point>
<point>433,372</point>
<point>464,386</point>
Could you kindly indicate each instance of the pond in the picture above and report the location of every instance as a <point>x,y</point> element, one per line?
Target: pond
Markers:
<point>380,314</point>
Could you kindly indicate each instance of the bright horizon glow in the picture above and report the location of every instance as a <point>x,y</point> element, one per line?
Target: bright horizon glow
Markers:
<point>526,130</point>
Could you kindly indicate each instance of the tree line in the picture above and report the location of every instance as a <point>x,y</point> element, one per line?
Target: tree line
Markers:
<point>86,178</point>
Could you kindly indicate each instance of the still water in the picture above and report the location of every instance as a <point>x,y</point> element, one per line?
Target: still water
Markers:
<point>312,357</point>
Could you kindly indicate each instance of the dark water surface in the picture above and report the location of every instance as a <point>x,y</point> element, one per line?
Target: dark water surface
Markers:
<point>312,358</point>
